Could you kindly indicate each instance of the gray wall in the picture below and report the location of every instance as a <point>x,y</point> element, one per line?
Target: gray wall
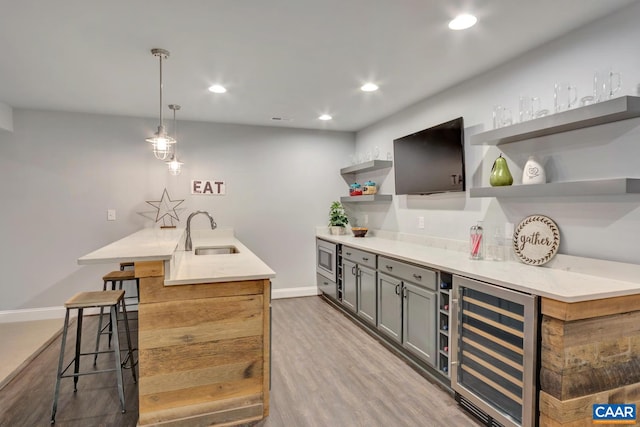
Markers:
<point>62,171</point>
<point>599,227</point>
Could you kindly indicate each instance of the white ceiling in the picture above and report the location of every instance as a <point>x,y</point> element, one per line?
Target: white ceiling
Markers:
<point>294,59</point>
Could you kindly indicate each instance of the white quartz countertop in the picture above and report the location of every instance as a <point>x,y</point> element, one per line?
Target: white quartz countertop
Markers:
<point>154,244</point>
<point>148,244</point>
<point>557,284</point>
<point>191,268</point>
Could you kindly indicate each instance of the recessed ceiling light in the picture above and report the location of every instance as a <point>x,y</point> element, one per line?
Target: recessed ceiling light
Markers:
<point>369,87</point>
<point>462,22</point>
<point>217,89</point>
<point>325,117</point>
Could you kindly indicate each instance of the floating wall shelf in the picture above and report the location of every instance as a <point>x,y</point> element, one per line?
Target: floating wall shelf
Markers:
<point>599,187</point>
<point>622,108</point>
<point>349,174</point>
<point>367,198</point>
<point>371,165</point>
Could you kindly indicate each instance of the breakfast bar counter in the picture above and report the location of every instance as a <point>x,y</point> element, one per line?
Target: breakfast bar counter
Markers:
<point>203,326</point>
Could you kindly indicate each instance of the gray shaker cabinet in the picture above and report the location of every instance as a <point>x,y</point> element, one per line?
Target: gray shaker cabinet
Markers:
<point>349,284</point>
<point>367,294</point>
<point>407,306</point>
<point>419,322</point>
<point>390,306</point>
<point>359,284</point>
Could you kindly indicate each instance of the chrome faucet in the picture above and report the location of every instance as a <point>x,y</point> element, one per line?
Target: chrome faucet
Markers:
<point>188,244</point>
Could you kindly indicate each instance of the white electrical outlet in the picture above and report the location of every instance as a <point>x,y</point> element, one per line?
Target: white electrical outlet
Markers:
<point>111,214</point>
<point>421,222</point>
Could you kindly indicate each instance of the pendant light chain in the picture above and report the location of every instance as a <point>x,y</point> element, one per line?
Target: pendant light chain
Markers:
<point>175,107</point>
<point>160,55</point>
<point>160,141</point>
<point>174,164</point>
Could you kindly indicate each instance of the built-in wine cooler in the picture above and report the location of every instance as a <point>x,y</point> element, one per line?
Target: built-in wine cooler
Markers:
<point>493,351</point>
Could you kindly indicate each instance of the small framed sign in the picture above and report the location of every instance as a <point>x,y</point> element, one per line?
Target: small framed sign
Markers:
<point>536,240</point>
<point>215,187</point>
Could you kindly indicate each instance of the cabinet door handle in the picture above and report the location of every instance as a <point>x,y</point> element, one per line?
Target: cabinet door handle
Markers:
<point>404,292</point>
<point>365,258</point>
<point>398,289</point>
<point>353,270</point>
<point>417,276</point>
<point>389,267</point>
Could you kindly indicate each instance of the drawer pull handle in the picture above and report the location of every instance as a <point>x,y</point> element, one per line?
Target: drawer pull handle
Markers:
<point>389,267</point>
<point>348,253</point>
<point>417,277</point>
<point>364,258</point>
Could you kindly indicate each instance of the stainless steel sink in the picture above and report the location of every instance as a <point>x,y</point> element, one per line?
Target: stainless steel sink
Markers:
<point>216,250</point>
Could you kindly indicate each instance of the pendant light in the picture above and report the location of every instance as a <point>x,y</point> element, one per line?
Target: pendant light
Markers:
<point>174,164</point>
<point>160,141</point>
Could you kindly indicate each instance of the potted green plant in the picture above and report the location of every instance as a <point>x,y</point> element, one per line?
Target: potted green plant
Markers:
<point>337,219</point>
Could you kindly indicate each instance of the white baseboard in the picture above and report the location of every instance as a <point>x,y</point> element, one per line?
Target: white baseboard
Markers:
<point>304,291</point>
<point>44,313</point>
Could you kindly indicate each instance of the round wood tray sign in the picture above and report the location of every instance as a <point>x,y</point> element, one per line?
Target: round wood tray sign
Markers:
<point>536,240</point>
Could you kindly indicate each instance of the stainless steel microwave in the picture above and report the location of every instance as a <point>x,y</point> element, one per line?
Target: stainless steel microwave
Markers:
<point>327,259</point>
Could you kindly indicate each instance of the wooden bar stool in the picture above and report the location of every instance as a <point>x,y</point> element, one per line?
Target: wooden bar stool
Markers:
<point>129,267</point>
<point>113,277</point>
<point>120,276</point>
<point>113,300</point>
<point>126,265</point>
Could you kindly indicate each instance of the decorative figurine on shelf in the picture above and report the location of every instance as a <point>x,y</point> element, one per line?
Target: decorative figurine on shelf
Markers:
<point>500,175</point>
<point>369,188</point>
<point>337,219</point>
<point>355,189</point>
<point>533,172</point>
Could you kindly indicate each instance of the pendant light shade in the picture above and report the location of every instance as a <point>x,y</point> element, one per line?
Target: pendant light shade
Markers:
<point>161,141</point>
<point>175,165</point>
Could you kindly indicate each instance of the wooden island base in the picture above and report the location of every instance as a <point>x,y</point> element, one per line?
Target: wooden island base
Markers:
<point>590,355</point>
<point>203,350</point>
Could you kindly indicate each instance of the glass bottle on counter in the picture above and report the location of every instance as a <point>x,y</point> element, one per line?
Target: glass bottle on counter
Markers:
<point>496,248</point>
<point>476,241</point>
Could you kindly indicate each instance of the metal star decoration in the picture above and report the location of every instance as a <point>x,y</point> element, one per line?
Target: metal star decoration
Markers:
<point>166,207</point>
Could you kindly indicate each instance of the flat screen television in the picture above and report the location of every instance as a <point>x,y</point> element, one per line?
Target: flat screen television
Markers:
<point>431,160</point>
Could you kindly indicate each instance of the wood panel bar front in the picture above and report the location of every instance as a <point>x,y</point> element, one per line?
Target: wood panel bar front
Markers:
<point>590,354</point>
<point>203,351</point>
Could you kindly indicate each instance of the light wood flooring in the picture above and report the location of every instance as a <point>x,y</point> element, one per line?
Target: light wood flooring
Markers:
<point>326,372</point>
<point>22,340</point>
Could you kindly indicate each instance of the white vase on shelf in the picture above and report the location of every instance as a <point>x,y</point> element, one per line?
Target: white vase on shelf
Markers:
<point>533,172</point>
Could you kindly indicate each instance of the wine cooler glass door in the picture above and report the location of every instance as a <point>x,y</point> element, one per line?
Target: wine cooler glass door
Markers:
<point>493,350</point>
